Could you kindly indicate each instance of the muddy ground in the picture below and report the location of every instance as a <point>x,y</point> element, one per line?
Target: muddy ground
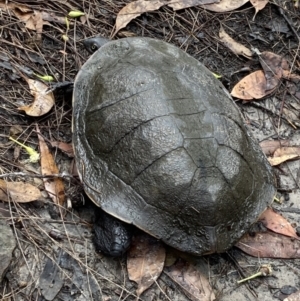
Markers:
<point>44,266</point>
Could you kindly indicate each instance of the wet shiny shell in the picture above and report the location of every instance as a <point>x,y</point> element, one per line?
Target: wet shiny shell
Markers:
<point>161,145</point>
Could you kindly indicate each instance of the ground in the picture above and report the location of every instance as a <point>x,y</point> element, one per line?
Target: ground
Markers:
<point>68,261</point>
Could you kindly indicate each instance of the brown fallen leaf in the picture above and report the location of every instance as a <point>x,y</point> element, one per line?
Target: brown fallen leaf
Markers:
<point>234,46</point>
<point>284,154</point>
<point>293,88</point>
<point>43,101</point>
<point>67,148</point>
<point>261,83</point>
<point>269,245</point>
<point>269,146</point>
<point>36,22</point>
<point>277,223</point>
<point>252,86</point>
<point>55,186</point>
<point>33,19</point>
<point>181,4</point>
<point>273,66</point>
<point>225,5</point>
<point>258,5</point>
<point>145,261</point>
<point>19,192</point>
<point>276,67</point>
<point>135,9</point>
<point>290,76</point>
<point>191,280</point>
<point>290,114</point>
<point>15,130</point>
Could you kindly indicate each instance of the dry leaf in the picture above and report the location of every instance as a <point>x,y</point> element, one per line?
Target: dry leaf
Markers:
<point>284,154</point>
<point>269,146</point>
<point>290,114</point>
<point>279,160</point>
<point>15,130</point>
<point>135,9</point>
<point>252,86</point>
<point>258,5</point>
<point>277,223</point>
<point>225,5</point>
<point>269,245</point>
<point>55,186</point>
<point>293,87</point>
<point>67,148</point>
<point>22,12</point>
<point>176,5</point>
<point>33,19</point>
<point>35,22</point>
<point>290,76</point>
<point>43,101</point>
<point>19,192</point>
<point>234,46</point>
<point>190,279</point>
<point>145,261</point>
<point>273,66</point>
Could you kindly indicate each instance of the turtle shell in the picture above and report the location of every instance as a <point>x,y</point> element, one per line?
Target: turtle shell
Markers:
<point>159,143</point>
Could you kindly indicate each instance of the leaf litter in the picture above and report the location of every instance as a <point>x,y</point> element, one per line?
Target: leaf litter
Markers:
<point>43,99</point>
<point>145,27</point>
<point>54,186</point>
<point>282,242</point>
<point>145,261</point>
<point>190,278</point>
<point>19,192</point>
<point>135,8</point>
<point>261,83</point>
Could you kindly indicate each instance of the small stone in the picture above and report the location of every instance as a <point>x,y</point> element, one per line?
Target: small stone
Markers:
<point>7,245</point>
<point>288,289</point>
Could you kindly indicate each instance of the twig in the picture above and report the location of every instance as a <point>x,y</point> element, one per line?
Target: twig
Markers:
<point>24,174</point>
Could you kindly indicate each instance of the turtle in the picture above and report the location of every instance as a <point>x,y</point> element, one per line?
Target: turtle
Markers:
<point>160,145</point>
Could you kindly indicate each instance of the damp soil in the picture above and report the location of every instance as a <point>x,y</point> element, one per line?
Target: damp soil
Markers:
<point>54,257</point>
